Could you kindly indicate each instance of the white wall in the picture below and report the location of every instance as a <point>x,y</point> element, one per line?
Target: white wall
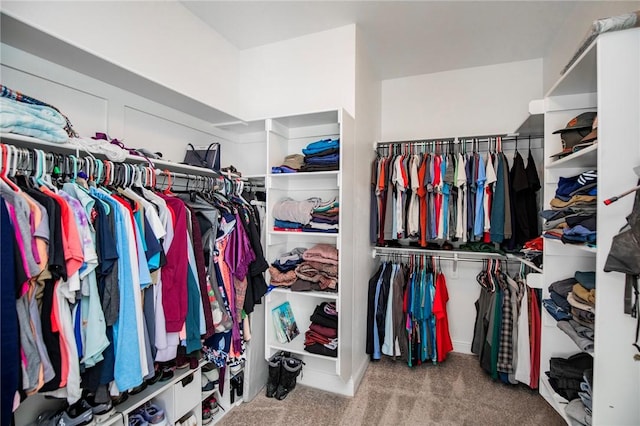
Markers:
<point>305,74</point>
<point>485,100</point>
<point>93,106</point>
<point>474,101</point>
<point>367,102</point>
<point>161,41</point>
<point>570,35</point>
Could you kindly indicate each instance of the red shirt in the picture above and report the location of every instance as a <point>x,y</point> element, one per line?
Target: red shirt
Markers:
<point>440,299</point>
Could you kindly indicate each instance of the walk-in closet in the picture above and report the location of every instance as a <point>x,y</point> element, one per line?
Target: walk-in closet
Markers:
<point>239,213</point>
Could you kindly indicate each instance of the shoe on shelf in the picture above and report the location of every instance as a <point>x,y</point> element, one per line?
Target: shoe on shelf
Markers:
<point>207,417</point>
<point>122,397</point>
<point>153,414</point>
<point>137,420</point>
<point>211,375</point>
<point>99,409</point>
<point>142,386</point>
<point>208,386</point>
<point>209,366</point>
<point>78,414</point>
<point>167,373</point>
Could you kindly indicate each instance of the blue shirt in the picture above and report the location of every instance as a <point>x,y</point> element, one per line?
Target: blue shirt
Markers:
<point>478,227</point>
<point>127,369</point>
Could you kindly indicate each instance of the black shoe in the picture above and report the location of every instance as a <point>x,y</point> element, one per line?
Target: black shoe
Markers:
<point>138,389</point>
<point>291,369</point>
<point>273,380</point>
<point>237,383</point>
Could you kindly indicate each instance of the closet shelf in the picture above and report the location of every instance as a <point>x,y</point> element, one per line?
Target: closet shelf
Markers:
<point>318,294</point>
<point>557,247</point>
<point>134,401</point>
<point>308,234</point>
<point>66,148</point>
<point>302,175</point>
<point>584,158</point>
<point>296,346</point>
<point>581,77</point>
<point>207,394</point>
<point>557,402</point>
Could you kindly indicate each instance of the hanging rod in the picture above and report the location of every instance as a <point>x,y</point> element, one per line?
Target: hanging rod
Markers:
<point>458,140</point>
<point>443,254</point>
<point>454,255</point>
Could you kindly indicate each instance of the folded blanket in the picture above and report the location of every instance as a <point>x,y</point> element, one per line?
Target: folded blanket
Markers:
<point>37,111</point>
<point>323,253</point>
<point>322,226</point>
<point>23,122</point>
<point>325,268</point>
<point>331,221</point>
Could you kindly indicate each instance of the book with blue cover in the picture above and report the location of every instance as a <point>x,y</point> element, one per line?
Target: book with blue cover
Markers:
<point>284,323</point>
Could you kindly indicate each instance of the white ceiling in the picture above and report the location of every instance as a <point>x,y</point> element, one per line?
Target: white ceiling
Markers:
<point>403,37</point>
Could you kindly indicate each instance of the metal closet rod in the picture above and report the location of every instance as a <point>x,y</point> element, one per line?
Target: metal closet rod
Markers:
<point>460,139</point>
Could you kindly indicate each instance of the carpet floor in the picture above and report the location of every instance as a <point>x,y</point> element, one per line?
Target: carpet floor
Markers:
<point>457,392</point>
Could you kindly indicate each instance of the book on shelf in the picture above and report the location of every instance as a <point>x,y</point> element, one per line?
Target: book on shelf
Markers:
<point>284,323</point>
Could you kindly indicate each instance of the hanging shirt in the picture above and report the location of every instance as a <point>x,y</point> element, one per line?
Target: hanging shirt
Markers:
<point>491,178</point>
<point>440,299</point>
<point>498,205</point>
<point>414,203</point>
<point>437,189</point>
<point>461,181</point>
<point>478,227</point>
<point>422,195</point>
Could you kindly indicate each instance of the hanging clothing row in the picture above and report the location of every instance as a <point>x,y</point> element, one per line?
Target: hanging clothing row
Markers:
<point>111,276</point>
<point>407,313</point>
<point>506,334</point>
<point>428,191</point>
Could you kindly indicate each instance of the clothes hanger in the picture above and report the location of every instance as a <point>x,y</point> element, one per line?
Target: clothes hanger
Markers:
<point>5,166</point>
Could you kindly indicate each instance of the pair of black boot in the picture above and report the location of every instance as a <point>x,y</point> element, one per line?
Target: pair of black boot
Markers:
<point>283,371</point>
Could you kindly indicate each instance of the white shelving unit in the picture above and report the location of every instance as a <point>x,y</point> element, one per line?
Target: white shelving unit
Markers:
<point>597,82</point>
<point>289,135</point>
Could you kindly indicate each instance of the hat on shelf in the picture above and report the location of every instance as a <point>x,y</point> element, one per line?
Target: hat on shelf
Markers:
<point>575,131</point>
<point>593,136</point>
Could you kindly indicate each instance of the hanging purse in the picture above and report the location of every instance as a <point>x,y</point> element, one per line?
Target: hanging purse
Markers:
<point>208,158</point>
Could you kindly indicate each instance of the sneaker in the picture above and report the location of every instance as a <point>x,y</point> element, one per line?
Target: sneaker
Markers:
<point>138,388</point>
<point>206,416</point>
<point>137,420</point>
<point>78,414</point>
<point>153,414</point>
<point>99,409</point>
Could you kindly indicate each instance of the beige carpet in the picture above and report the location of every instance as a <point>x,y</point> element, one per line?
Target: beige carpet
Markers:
<point>456,392</point>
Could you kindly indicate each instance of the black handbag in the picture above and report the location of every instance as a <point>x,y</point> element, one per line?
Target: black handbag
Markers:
<point>208,158</point>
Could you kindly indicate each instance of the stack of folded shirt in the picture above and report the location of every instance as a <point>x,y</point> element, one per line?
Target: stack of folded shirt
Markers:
<point>323,155</point>
<point>582,299</point>
<point>311,215</point>
<point>566,375</point>
<point>292,164</point>
<point>325,217</point>
<point>572,217</point>
<point>579,409</point>
<point>282,270</point>
<point>322,336</point>
<point>319,271</point>
<point>558,305</point>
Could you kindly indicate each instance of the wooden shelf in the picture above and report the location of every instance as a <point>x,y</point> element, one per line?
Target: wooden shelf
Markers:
<point>584,158</point>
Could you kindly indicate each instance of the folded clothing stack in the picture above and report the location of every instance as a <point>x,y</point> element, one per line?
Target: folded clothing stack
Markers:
<point>27,116</point>
<point>292,164</point>
<point>579,409</point>
<point>319,270</point>
<point>323,155</point>
<point>322,336</point>
<point>282,270</point>
<point>567,378</point>
<point>572,303</point>
<point>311,215</point>
<point>572,218</point>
